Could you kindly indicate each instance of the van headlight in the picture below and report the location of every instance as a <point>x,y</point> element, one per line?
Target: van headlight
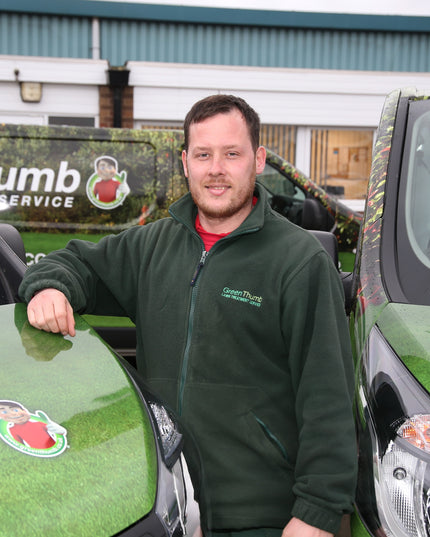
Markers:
<point>171,494</point>
<point>404,490</point>
<point>394,442</point>
<point>170,437</point>
<point>170,509</point>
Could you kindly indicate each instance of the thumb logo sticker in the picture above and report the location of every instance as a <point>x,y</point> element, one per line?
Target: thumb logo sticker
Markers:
<point>33,434</point>
<point>107,188</point>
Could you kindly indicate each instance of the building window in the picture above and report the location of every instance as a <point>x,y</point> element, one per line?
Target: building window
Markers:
<point>71,121</point>
<point>159,125</point>
<point>341,161</point>
<point>281,139</point>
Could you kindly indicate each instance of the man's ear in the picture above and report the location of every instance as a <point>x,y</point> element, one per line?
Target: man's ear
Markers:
<point>260,159</point>
<point>184,162</point>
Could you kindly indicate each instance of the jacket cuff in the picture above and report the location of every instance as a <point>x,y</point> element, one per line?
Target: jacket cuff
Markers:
<point>317,516</point>
<point>27,292</point>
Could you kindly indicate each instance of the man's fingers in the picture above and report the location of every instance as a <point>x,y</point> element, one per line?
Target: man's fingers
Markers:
<point>70,320</point>
<point>50,310</point>
<point>56,317</point>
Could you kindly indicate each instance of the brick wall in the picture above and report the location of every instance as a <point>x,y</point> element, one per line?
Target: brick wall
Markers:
<point>106,107</point>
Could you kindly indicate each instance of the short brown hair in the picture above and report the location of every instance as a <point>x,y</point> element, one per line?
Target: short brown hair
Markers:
<point>223,104</point>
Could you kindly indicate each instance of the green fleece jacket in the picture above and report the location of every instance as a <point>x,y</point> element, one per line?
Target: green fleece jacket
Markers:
<point>248,344</point>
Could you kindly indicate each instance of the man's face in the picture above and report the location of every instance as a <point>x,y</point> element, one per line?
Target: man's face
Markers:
<point>14,414</point>
<point>221,167</point>
<point>105,170</point>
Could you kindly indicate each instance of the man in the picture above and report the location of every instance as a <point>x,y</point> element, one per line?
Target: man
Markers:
<point>240,329</point>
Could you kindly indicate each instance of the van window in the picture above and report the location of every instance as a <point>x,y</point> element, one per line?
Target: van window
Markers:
<point>412,228</point>
<point>418,190</point>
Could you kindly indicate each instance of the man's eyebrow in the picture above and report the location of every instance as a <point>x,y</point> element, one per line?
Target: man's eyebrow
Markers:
<point>207,148</point>
<point>200,148</point>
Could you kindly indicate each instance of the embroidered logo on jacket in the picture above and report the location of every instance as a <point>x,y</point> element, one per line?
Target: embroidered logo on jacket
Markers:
<point>242,296</point>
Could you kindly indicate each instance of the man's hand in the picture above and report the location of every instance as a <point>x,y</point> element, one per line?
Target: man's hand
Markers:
<point>298,528</point>
<point>50,310</point>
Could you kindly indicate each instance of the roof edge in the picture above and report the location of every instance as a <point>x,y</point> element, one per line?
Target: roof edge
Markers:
<point>222,16</point>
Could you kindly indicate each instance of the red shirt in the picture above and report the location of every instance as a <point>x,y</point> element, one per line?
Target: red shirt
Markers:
<point>33,434</point>
<point>106,190</point>
<point>209,239</point>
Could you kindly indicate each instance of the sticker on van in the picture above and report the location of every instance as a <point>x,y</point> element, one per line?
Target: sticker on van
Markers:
<point>107,188</point>
<point>32,434</point>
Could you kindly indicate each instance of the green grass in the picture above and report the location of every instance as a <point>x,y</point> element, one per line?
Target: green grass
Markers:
<point>100,320</point>
<point>39,242</point>
<point>347,260</point>
<point>43,243</point>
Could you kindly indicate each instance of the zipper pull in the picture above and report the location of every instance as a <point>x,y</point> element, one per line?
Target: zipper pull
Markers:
<point>199,267</point>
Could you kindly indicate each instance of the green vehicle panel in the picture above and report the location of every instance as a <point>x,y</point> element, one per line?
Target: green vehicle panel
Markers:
<point>407,329</point>
<point>103,478</point>
<point>389,326</point>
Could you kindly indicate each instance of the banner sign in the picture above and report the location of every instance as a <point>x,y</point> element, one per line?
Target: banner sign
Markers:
<point>91,179</point>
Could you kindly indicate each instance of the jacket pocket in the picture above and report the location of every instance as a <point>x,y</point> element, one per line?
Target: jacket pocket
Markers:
<point>246,474</point>
<point>231,427</point>
<point>269,443</point>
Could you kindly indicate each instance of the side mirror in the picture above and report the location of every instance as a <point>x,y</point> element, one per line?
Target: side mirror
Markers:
<point>13,267</point>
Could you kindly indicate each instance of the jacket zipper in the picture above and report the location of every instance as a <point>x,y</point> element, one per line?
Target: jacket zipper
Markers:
<point>199,268</point>
<point>194,286</point>
<point>184,369</point>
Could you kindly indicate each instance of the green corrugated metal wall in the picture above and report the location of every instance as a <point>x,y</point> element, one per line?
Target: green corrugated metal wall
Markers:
<point>68,36</point>
<point>45,35</point>
<point>266,47</point>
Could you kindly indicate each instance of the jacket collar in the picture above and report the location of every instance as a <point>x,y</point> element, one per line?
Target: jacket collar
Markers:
<point>185,211</point>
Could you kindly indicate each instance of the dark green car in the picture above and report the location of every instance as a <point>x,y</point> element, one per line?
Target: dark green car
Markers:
<point>390,327</point>
<point>86,450</point>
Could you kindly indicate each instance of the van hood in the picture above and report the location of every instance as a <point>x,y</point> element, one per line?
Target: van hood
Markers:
<point>407,329</point>
<point>78,450</point>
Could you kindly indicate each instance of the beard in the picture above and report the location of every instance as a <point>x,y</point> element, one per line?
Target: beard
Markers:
<point>229,208</point>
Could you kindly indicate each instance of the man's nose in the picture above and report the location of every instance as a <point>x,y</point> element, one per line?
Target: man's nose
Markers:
<point>217,165</point>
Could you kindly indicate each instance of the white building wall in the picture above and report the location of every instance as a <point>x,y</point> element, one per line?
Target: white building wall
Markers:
<point>165,92</point>
<point>69,88</point>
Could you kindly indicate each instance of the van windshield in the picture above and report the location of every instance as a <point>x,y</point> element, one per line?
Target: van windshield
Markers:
<point>411,245</point>
<point>417,202</point>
